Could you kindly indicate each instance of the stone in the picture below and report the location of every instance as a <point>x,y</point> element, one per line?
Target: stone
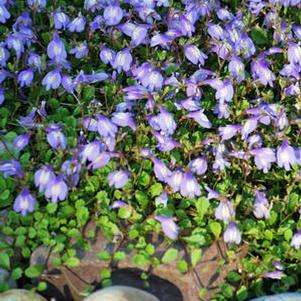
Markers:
<point>166,282</point>
<point>121,293</point>
<point>20,295</point>
<point>5,278</point>
<point>280,297</point>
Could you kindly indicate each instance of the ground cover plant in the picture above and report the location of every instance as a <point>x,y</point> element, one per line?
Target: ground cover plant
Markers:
<point>175,117</point>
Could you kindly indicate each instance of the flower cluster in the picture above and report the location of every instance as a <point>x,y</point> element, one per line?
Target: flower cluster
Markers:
<point>200,91</point>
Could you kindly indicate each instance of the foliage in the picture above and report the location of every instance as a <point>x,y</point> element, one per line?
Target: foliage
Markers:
<point>151,117</point>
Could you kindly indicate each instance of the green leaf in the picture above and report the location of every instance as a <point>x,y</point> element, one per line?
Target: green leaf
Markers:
<point>227,290</point>
<point>196,256</point>
<point>4,261</point>
<point>16,273</point>
<point>72,262</point>
<point>242,293</point>
<point>42,286</point>
<point>233,276</point>
<point>259,36</point>
<point>105,273</point>
<point>51,208</point>
<point>155,189</point>
<point>140,260</point>
<point>142,199</point>
<point>104,255</point>
<point>215,228</point>
<point>288,234</point>
<point>119,255</point>
<point>170,255</point>
<point>182,266</point>
<point>202,205</point>
<point>125,212</point>
<point>34,271</point>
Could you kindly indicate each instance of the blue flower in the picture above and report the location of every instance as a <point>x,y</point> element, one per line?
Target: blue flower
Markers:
<point>112,15</point>
<point>24,203</point>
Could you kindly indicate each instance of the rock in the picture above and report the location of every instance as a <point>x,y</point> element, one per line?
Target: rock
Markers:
<point>165,282</point>
<point>280,297</point>
<point>20,295</point>
<point>121,293</point>
<point>5,278</point>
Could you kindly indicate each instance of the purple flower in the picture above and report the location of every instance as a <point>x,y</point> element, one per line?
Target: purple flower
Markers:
<point>163,122</point>
<point>162,199</point>
<point>232,234</point>
<point>153,80</point>
<point>194,55</point>
<point>35,61</point>
<point>106,127</point>
<point>161,39</point>
<point>15,41</point>
<point>68,83</point>
<point>138,35</point>
<point>4,55</point>
<point>2,96</point>
<point>264,157</point>
<point>198,165</point>
<point>90,124</point>
<point>56,189</point>
<point>225,211</point>
<point>4,13</point>
<point>11,168</point>
<point>21,141</point>
<point>237,69</point>
<point>261,205</point>
<point>55,137</point>
<point>249,126</point>
<point>118,178</point>
<point>123,60</point>
<point>107,55</point>
<point>81,50</point>
<point>278,265</point>
<point>36,4</point>
<point>228,131</point>
<point>91,151</point>
<point>56,49</point>
<point>100,161</point>
<point>273,275</point>
<point>24,202</point>
<point>212,194</point>
<point>224,89</point>
<point>61,20</point>
<point>261,72</point>
<point>200,118</point>
<point>189,187</point>
<point>123,119</point>
<point>118,204</point>
<point>222,109</point>
<point>186,26</point>
<point>161,170</point>
<point>78,24</point>
<point>71,169</point>
<point>286,156</point>
<point>25,77</point>
<point>52,80</point>
<point>294,53</point>
<point>175,180</point>
<point>296,240</point>
<point>112,15</point>
<point>135,92</point>
<point>169,227</point>
<point>165,143</point>
<point>215,31</point>
<point>43,176</point>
